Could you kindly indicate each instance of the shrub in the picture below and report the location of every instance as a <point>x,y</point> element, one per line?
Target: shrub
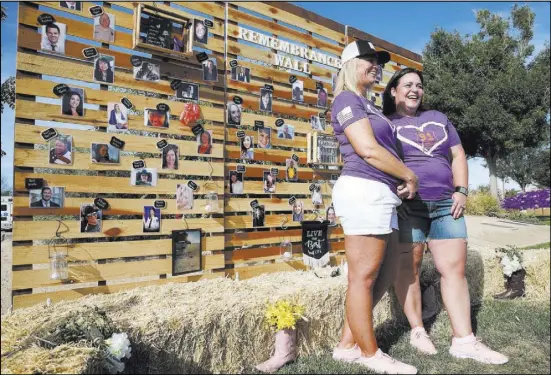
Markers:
<point>528,200</point>
<point>482,204</point>
<point>523,217</point>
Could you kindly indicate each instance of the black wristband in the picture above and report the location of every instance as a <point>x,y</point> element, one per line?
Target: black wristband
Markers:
<point>462,190</point>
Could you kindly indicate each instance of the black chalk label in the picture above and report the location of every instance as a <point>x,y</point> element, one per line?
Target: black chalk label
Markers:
<point>254,203</point>
<point>136,61</point>
<point>279,122</point>
<point>45,19</point>
<point>159,204</point>
<point>292,79</point>
<point>175,84</point>
<point>274,171</point>
<point>101,203</point>
<point>61,89</point>
<point>163,107</point>
<point>292,200</point>
<point>193,186</point>
<point>258,124</point>
<point>269,87</point>
<point>90,52</point>
<point>240,168</point>
<point>138,164</point>
<point>202,56</point>
<point>238,100</point>
<point>240,134</point>
<point>49,134</point>
<point>295,157</point>
<point>321,115</point>
<point>334,177</point>
<point>233,63</point>
<point>162,144</point>
<point>34,183</point>
<point>208,23</point>
<point>115,142</point>
<point>314,187</point>
<point>197,129</point>
<point>126,102</point>
<point>96,10</point>
<point>319,85</point>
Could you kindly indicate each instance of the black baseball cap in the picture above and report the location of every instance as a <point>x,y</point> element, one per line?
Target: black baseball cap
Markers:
<point>363,48</point>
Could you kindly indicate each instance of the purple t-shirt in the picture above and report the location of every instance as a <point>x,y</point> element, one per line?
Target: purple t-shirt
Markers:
<point>347,109</point>
<point>426,141</point>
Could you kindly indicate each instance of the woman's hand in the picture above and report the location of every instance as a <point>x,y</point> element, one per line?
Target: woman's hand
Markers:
<point>459,204</point>
<point>408,189</point>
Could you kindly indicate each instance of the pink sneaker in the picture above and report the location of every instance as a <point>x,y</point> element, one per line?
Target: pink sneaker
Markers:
<point>420,339</point>
<point>383,364</point>
<point>471,347</point>
<point>347,355</point>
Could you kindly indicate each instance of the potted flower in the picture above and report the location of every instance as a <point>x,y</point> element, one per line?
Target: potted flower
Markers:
<point>282,317</point>
<point>513,272</point>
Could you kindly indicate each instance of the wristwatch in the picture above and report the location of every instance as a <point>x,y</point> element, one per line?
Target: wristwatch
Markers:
<point>462,190</point>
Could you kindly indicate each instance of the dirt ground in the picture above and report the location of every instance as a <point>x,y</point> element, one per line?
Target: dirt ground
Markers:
<point>6,271</point>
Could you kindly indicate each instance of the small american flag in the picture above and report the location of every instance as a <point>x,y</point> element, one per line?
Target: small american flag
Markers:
<point>344,115</point>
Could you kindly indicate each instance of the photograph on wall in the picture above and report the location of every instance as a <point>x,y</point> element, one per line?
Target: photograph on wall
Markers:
<point>147,71</point>
<point>104,69</point>
<point>247,147</point>
<point>61,150</point>
<point>317,123</point>
<point>170,157</point>
<point>241,74</point>
<point>184,197</point>
<point>200,32</point>
<point>334,81</point>
<point>117,118</point>
<point>158,31</point>
<point>316,196</point>
<point>188,90</point>
<point>53,37</point>
<point>269,182</point>
<point>104,27</point>
<point>298,91</point>
<point>266,100</point>
<point>291,170</point>
<point>186,251</point>
<point>258,216</point>
<point>151,219</point>
<point>236,182</point>
<point>143,177</point>
<point>72,103</point>
<point>265,138</point>
<point>155,118</point>
<point>379,76</point>
<point>322,98</point>
<point>72,5</point>
<point>234,114</point>
<point>90,218</point>
<point>298,211</point>
<point>204,142</point>
<point>210,72</point>
<point>47,197</point>
<point>330,215</point>
<point>286,131</point>
<point>104,153</point>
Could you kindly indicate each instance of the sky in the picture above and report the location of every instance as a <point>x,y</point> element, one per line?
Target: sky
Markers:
<point>406,24</point>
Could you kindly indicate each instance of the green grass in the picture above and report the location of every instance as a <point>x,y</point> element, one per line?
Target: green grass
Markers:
<point>517,328</point>
<point>544,245</point>
<point>545,220</point>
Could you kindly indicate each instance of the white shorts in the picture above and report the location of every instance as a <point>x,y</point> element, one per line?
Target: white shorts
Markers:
<point>365,207</point>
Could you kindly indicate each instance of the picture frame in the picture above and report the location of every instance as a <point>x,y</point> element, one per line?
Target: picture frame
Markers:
<point>240,74</point>
<point>286,131</point>
<point>117,118</point>
<point>104,153</point>
<point>151,222</point>
<point>259,214</point>
<point>234,113</point>
<point>298,91</point>
<point>147,71</point>
<point>265,100</point>
<point>204,142</point>
<point>264,138</point>
<point>291,170</point>
<point>200,32</point>
<point>47,197</point>
<point>61,150</point>
<point>184,197</point>
<point>143,177</point>
<point>170,156</point>
<point>188,90</point>
<point>91,218</point>
<point>210,70</point>
<point>104,28</point>
<point>53,37</point>
<point>104,69</point>
<point>247,147</point>
<point>156,119</point>
<point>71,5</point>
<point>269,182</point>
<point>186,251</point>
<point>72,102</point>
<point>236,182</point>
<point>322,97</point>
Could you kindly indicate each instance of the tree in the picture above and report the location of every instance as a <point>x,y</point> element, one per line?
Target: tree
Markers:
<point>542,172</point>
<point>8,86</point>
<point>519,166</point>
<point>6,187</point>
<point>483,82</point>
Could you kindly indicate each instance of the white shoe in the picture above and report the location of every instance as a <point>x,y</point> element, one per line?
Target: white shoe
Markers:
<point>382,363</point>
<point>473,348</point>
<point>420,340</point>
<point>347,355</point>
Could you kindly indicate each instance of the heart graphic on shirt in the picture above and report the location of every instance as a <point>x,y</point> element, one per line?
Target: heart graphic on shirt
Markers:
<point>408,134</point>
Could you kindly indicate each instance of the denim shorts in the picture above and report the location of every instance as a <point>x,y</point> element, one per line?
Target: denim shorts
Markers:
<point>430,220</point>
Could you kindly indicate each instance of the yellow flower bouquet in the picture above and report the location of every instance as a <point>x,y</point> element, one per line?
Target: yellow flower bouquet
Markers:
<point>283,315</point>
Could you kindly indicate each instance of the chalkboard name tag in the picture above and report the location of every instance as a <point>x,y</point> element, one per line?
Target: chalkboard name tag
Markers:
<point>321,115</point>
<point>269,87</point>
<point>254,203</point>
<point>295,157</point>
<point>233,63</point>
<point>96,10</point>
<point>138,164</point>
<point>202,56</point>
<point>292,79</point>
<point>159,204</point>
<point>126,102</point>
<point>45,19</point>
<point>314,187</point>
<point>208,23</point>
<point>115,142</point>
<point>89,52</point>
<point>292,200</point>
<point>319,85</point>
<point>334,177</point>
<point>240,168</point>
<point>240,134</point>
<point>136,61</point>
<point>101,203</point>
<point>279,122</point>
<point>197,129</point>
<point>162,144</point>
<point>238,100</point>
<point>34,183</point>
<point>49,134</point>
<point>258,124</point>
<point>175,84</point>
<point>61,89</point>
<point>163,107</point>
<point>193,186</point>
<point>274,171</point>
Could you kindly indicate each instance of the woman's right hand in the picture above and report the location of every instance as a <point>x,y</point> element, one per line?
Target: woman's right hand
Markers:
<point>408,188</point>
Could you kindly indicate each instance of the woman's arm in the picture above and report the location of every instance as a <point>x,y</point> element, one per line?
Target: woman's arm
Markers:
<point>460,171</point>
<point>361,137</point>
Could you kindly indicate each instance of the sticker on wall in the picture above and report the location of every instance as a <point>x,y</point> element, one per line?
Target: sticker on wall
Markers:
<point>254,203</point>
<point>136,61</point>
<point>192,185</point>
<point>269,87</point>
<point>238,100</point>
<point>292,79</point>
<point>258,124</point>
<point>101,203</point>
<point>96,10</point>
<point>163,107</point>
<point>208,23</point>
<point>45,19</point>
<point>334,177</point>
<point>241,168</point>
<point>160,204</point>
<point>279,122</point>
<point>202,56</point>
<point>240,134</point>
<point>34,183</point>
<point>234,63</point>
<point>138,164</point>
<point>162,144</point>
<point>175,84</point>
<point>319,85</point>
<point>126,102</point>
<point>314,187</point>
<point>90,52</point>
<point>197,129</point>
<point>295,157</point>
<point>61,89</point>
<point>115,142</point>
<point>274,171</point>
<point>292,200</point>
<point>48,134</point>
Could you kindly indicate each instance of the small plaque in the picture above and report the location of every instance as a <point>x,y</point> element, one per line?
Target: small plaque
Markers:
<point>61,89</point>
<point>89,52</point>
<point>163,107</point>
<point>126,102</point>
<point>274,171</point>
<point>202,56</point>
<point>279,122</point>
<point>197,129</point>
<point>34,183</point>
<point>334,177</point>
<point>115,142</point>
<point>234,63</point>
<point>238,100</point>
<point>45,19</point>
<point>101,203</point>
<point>258,124</point>
<point>49,134</point>
<point>208,23</point>
<point>96,10</point>
<point>321,115</point>
<point>292,200</point>
<point>292,79</point>
<point>136,61</point>
<point>192,185</point>
<point>254,203</point>
<point>313,187</point>
<point>160,204</point>
<point>175,84</point>
<point>162,144</point>
<point>269,87</point>
<point>138,164</point>
<point>240,168</point>
<point>240,134</point>
<point>319,85</point>
<point>295,157</point>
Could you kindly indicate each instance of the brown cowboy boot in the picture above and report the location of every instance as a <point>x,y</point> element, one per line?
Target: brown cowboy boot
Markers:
<point>516,285</point>
<point>506,285</point>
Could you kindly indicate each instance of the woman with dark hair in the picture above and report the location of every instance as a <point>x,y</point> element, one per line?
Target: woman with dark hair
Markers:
<point>330,215</point>
<point>147,72</point>
<point>247,150</point>
<point>72,104</point>
<point>103,71</point>
<point>209,71</point>
<point>205,143</point>
<point>101,153</point>
<point>170,157</point>
<point>432,149</point>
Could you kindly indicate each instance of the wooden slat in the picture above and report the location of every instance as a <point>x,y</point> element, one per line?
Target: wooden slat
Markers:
<point>298,142</point>
<point>272,253</point>
<point>270,204</point>
<point>255,170</point>
<point>278,156</point>
<point>257,187</point>
<point>280,91</point>
<point>108,271</point>
<point>263,238</point>
<point>89,251</point>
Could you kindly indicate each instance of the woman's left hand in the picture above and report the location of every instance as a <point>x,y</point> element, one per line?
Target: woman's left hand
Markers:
<point>459,205</point>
